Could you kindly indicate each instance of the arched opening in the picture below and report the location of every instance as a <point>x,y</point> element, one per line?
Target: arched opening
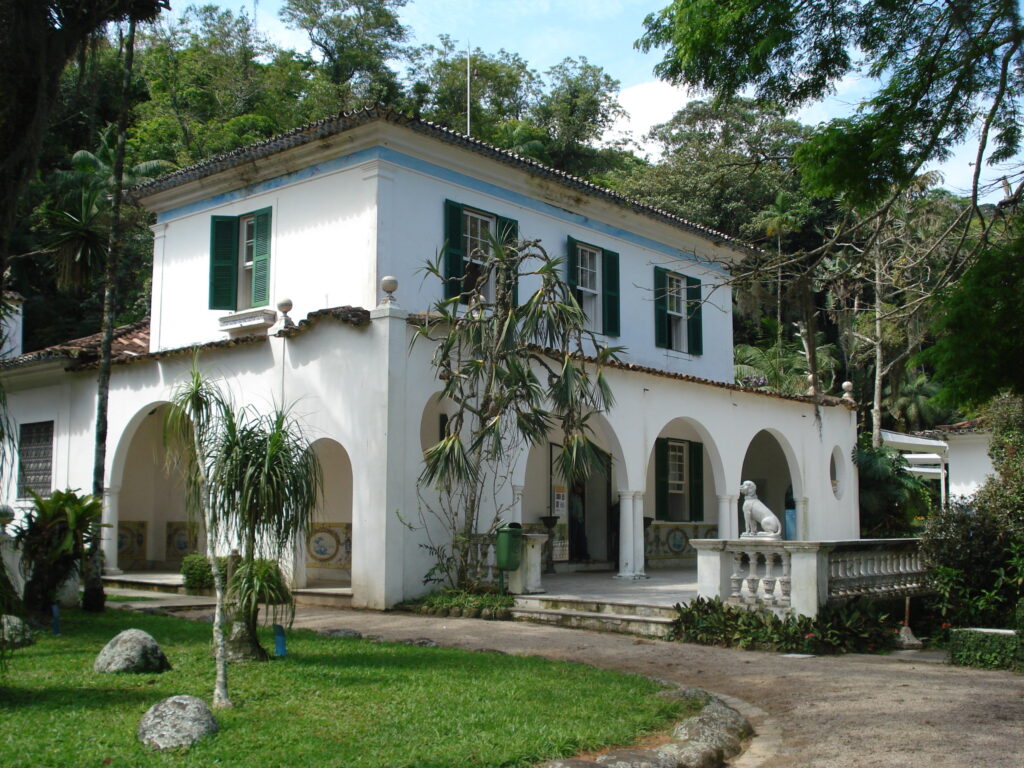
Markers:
<point>149,518</point>
<point>586,532</point>
<point>684,473</point>
<point>768,465</point>
<point>329,545</point>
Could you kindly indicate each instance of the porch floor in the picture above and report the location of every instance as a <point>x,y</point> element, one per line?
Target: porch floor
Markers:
<point>664,588</point>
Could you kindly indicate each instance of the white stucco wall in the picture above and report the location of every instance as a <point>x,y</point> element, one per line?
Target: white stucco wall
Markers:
<point>969,462</point>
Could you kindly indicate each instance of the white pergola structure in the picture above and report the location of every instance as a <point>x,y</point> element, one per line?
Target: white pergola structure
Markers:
<point>927,456</point>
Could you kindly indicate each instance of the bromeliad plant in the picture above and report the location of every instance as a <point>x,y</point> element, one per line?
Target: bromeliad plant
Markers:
<point>510,371</point>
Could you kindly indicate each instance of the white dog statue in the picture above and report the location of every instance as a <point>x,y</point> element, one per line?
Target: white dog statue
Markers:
<point>755,514</point>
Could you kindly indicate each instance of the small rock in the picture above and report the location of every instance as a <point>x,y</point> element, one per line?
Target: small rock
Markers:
<point>351,633</point>
<point>635,758</point>
<point>423,642</point>
<point>15,632</point>
<point>689,754</point>
<point>179,721</point>
<point>570,762</point>
<point>455,612</point>
<point>686,693</point>
<point>711,730</point>
<point>131,651</point>
<point>471,613</point>
<point>374,638</point>
<point>734,721</point>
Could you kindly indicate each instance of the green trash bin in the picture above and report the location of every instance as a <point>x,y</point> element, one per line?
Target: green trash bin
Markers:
<point>508,548</point>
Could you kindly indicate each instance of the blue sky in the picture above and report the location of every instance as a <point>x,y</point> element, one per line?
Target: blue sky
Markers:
<point>546,31</point>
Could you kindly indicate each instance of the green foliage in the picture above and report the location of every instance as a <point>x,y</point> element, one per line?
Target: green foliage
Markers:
<point>471,603</point>
<point>430,706</point>
<point>53,539</point>
<point>261,583</point>
<point>986,303</point>
<point>986,650</point>
<point>939,65</point>
<point>197,575</point>
<point>890,496</point>
<point>511,370</point>
<point>851,627</point>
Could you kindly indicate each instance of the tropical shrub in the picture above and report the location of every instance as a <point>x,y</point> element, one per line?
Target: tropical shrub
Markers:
<point>480,603</point>
<point>857,626</point>
<point>986,650</point>
<point>259,583</point>
<point>890,496</point>
<point>975,547</point>
<point>53,539</point>
<point>197,575</point>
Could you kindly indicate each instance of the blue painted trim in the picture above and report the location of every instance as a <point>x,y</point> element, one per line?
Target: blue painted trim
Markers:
<point>444,174</point>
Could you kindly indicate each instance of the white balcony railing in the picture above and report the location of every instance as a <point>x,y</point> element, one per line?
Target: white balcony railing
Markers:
<point>802,576</point>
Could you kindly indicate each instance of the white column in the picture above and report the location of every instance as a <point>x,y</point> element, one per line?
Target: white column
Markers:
<point>638,535</point>
<point>728,525</point>
<point>378,534</point>
<point>803,524</point>
<point>627,569</point>
<point>517,504</point>
<point>109,535</point>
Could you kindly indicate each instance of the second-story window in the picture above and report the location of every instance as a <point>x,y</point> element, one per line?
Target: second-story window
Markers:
<point>593,275</point>
<point>469,235</point>
<point>240,260</point>
<point>678,323</point>
<point>477,231</point>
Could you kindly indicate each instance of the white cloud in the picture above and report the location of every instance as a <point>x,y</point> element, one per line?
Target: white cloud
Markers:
<point>647,104</point>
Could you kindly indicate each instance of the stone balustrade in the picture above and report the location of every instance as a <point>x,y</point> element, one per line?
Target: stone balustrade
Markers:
<point>802,576</point>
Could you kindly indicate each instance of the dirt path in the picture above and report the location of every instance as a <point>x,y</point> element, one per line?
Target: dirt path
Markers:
<point>831,712</point>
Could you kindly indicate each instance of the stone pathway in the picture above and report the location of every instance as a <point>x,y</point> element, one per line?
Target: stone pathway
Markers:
<point>903,710</point>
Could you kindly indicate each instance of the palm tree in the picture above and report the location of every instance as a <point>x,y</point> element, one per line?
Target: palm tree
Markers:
<point>911,402</point>
<point>191,429</point>
<point>251,478</point>
<point>265,482</point>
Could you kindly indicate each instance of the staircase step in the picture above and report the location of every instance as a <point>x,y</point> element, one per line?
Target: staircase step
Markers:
<point>646,626</point>
<point>334,597</point>
<point>118,582</point>
<point>568,603</point>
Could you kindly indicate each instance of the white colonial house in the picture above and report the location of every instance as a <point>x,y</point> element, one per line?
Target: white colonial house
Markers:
<point>319,216</point>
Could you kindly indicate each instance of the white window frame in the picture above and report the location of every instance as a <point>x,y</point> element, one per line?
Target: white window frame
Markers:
<point>678,467</point>
<point>676,306</point>
<point>588,284</point>
<point>477,244</point>
<point>246,251</point>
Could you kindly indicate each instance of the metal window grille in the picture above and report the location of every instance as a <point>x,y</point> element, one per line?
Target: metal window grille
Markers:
<point>35,452</point>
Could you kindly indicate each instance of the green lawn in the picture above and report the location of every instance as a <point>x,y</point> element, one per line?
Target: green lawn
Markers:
<point>332,703</point>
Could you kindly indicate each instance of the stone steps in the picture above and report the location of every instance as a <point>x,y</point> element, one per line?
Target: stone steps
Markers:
<point>644,620</point>
<point>323,597</point>
<point>145,585</point>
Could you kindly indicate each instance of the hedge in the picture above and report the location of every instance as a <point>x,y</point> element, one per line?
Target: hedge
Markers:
<point>986,649</point>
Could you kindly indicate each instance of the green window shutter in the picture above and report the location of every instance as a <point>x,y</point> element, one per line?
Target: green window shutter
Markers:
<point>610,293</point>
<point>660,307</point>
<point>454,267</point>
<point>261,258</point>
<point>223,262</point>
<point>572,257</point>
<point>508,234</point>
<point>694,323</point>
<point>661,479</point>
<point>696,454</point>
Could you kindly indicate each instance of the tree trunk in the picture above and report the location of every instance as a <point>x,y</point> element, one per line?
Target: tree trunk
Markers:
<point>93,598</point>
<point>876,401</point>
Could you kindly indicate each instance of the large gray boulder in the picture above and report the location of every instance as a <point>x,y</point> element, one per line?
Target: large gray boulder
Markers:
<point>15,633</point>
<point>132,651</point>
<point>635,758</point>
<point>179,721</point>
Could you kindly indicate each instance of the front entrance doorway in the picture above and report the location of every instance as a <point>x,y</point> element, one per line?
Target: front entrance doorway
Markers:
<point>592,519</point>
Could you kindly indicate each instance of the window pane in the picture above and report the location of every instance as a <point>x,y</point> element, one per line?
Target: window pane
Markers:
<point>677,467</point>
<point>35,451</point>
